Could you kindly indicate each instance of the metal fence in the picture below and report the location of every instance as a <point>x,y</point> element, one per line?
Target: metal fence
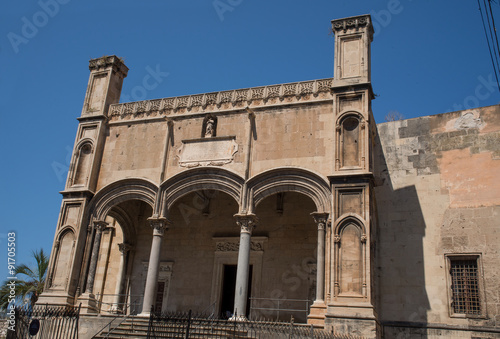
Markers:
<point>45,322</point>
<point>187,325</point>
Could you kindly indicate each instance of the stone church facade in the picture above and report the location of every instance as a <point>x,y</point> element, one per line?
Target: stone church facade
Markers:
<point>283,200</point>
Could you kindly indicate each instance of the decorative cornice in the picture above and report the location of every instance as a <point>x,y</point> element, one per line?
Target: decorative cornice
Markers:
<point>109,61</point>
<point>297,92</point>
<point>352,22</point>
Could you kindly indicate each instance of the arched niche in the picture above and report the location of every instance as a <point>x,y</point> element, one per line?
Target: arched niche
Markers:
<point>350,259</point>
<point>83,162</point>
<point>350,131</point>
<point>65,247</point>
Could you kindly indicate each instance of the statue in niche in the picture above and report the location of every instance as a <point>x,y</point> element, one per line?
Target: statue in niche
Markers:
<point>209,127</point>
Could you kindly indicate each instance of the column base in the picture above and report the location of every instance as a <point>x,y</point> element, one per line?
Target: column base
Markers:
<point>88,303</point>
<point>115,309</point>
<point>55,298</point>
<point>317,313</point>
<point>238,318</point>
<point>357,319</point>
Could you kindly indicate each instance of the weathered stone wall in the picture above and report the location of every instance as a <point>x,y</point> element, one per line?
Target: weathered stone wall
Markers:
<point>437,193</point>
<point>283,136</point>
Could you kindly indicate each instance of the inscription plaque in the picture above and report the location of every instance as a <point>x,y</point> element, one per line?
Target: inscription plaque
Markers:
<point>215,151</point>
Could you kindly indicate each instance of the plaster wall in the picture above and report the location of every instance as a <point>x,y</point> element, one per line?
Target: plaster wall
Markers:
<point>437,194</point>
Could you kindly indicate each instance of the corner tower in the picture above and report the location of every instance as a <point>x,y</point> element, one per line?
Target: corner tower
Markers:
<point>65,280</point>
<point>350,303</point>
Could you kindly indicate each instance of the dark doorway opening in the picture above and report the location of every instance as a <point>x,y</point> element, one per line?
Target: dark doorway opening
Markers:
<point>229,289</point>
<point>159,296</point>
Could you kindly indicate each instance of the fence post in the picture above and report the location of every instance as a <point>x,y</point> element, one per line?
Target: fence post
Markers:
<point>291,327</point>
<point>188,324</point>
<point>75,335</point>
<point>150,324</point>
<point>234,325</point>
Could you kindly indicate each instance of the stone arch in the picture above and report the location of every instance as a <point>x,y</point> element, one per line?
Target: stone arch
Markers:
<point>290,179</point>
<point>349,218</point>
<point>126,224</point>
<point>203,178</point>
<point>120,191</point>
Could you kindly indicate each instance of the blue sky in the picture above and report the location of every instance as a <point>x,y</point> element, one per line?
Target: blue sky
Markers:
<point>428,57</point>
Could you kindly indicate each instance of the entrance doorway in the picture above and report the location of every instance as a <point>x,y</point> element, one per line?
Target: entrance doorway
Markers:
<point>159,296</point>
<point>229,289</point>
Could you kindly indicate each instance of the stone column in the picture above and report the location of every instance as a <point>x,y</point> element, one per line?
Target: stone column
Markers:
<point>99,226</point>
<point>124,248</point>
<point>159,225</point>
<point>247,223</point>
<point>320,219</point>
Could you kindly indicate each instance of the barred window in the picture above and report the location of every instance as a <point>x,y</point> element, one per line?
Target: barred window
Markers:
<point>465,295</point>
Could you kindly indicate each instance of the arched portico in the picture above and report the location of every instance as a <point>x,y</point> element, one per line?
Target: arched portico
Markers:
<point>198,179</point>
<point>107,203</point>
<point>290,179</point>
<point>308,183</point>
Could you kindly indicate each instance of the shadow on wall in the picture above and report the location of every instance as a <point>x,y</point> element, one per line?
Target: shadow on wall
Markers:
<point>401,298</point>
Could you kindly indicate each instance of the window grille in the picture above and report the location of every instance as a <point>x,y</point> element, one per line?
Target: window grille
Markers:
<point>465,286</point>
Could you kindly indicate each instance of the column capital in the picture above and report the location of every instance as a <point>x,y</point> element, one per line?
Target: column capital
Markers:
<point>124,247</point>
<point>321,219</point>
<point>247,222</point>
<point>159,224</point>
<point>100,225</point>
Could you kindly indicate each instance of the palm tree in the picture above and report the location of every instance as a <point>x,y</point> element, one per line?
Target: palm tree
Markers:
<point>30,283</point>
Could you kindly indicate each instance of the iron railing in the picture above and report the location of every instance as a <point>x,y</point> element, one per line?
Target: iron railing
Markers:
<point>188,325</point>
<point>277,308</point>
<point>52,322</point>
<point>121,307</point>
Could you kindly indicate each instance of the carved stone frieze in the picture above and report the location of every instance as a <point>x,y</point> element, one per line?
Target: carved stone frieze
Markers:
<point>232,244</point>
<point>217,101</point>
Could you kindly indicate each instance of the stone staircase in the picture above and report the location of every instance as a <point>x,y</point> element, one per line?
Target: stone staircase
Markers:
<point>137,327</point>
